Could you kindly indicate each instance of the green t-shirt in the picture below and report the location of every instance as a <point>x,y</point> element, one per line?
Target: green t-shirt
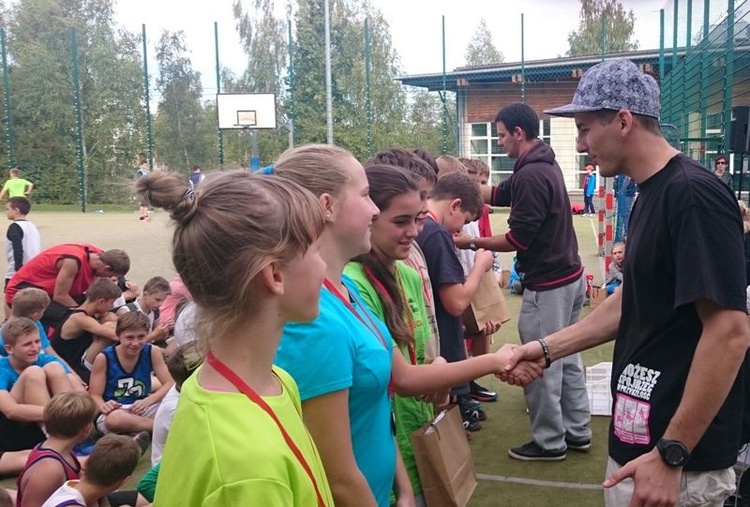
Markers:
<point>147,484</point>
<point>223,449</point>
<point>411,413</point>
<point>16,187</point>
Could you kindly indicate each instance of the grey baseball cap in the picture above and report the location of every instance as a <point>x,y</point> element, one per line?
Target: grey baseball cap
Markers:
<point>614,85</point>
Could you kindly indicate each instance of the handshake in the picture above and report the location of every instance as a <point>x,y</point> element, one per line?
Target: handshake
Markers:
<point>520,365</point>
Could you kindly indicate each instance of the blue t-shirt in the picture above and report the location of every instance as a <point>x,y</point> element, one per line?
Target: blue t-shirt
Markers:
<point>444,269</point>
<point>42,337</point>
<point>337,351</point>
<point>9,376</point>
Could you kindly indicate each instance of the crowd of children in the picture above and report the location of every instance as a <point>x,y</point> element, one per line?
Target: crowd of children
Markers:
<point>320,305</point>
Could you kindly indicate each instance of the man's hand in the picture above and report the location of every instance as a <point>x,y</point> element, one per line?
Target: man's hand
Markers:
<point>521,374</point>
<point>462,240</point>
<point>525,365</point>
<point>656,483</point>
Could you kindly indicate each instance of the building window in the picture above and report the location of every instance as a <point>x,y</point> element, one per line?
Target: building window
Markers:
<point>484,146</point>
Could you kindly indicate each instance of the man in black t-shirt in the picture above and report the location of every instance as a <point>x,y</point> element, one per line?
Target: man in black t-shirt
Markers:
<point>679,320</point>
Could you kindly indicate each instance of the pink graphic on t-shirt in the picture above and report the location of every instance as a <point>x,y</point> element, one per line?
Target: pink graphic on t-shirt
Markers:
<point>631,420</point>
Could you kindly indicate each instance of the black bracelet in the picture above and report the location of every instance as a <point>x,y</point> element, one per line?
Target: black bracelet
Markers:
<point>545,351</point>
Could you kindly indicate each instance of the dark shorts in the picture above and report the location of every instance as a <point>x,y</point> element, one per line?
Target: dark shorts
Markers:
<point>18,436</point>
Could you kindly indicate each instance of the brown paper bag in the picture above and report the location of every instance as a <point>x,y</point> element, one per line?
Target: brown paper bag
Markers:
<point>487,304</point>
<point>444,461</point>
<point>598,294</point>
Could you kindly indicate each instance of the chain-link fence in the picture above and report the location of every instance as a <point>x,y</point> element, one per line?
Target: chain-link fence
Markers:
<point>707,45</point>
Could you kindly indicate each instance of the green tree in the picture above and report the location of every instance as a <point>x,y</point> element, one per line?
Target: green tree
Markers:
<point>481,49</point>
<point>618,25</point>
<point>183,136</point>
<point>389,105</point>
<point>42,97</point>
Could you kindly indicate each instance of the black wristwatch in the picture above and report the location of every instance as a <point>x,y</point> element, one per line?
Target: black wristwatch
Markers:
<point>473,244</point>
<point>673,452</point>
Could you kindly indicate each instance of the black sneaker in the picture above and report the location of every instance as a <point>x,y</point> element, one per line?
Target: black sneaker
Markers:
<point>472,426</point>
<point>481,393</point>
<point>143,439</point>
<point>470,409</point>
<point>580,445</point>
<point>532,452</point>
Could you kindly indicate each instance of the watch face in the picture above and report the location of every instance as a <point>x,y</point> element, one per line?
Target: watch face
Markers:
<point>674,454</point>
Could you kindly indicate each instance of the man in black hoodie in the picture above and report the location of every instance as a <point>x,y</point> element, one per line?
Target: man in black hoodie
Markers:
<point>541,232</point>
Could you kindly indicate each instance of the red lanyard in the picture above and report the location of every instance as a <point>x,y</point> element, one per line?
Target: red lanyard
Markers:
<point>245,389</point>
<point>369,324</point>
<point>407,309</point>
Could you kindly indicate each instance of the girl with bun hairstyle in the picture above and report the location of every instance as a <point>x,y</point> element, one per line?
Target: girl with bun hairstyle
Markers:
<point>247,249</point>
<point>344,361</point>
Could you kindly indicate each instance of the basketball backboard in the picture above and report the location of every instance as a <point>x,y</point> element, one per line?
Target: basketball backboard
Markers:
<point>241,111</point>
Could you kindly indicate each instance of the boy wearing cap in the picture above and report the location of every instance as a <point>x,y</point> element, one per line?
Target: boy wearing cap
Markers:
<point>541,231</point>
<point>679,320</point>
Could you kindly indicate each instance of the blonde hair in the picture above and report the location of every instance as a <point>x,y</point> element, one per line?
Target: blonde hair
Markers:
<point>66,414</point>
<point>448,164</point>
<point>226,232</point>
<point>17,327</point>
<point>29,300</point>
<point>318,167</point>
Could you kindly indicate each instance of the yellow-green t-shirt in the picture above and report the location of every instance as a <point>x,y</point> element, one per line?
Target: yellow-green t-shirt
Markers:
<point>16,187</point>
<point>224,450</point>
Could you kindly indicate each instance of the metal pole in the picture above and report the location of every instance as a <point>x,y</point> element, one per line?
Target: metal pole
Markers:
<point>703,86</point>
<point>329,97</point>
<point>368,95</point>
<point>219,135</point>
<point>523,62</point>
<point>149,133</point>
<point>603,43</point>
<point>293,104</point>
<point>79,120</point>
<point>6,93</point>
<point>661,45</point>
<point>676,22</point>
<point>728,73</point>
<point>674,106</point>
<point>445,111</point>
<point>688,35</point>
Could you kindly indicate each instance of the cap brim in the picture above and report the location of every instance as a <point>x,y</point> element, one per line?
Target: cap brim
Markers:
<point>570,110</point>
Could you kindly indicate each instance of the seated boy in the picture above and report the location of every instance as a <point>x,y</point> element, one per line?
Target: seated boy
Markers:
<point>31,303</point>
<point>121,379</point>
<point>181,364</point>
<point>455,201</point>
<point>68,418</point>
<point>112,461</point>
<point>153,295</point>
<point>88,329</point>
<point>28,379</point>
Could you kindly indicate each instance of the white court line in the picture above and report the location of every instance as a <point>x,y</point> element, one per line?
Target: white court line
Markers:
<point>536,482</point>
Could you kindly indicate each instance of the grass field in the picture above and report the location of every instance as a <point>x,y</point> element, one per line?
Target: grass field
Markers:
<point>502,481</point>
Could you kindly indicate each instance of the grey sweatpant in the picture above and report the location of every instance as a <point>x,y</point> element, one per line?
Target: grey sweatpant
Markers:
<point>558,402</point>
